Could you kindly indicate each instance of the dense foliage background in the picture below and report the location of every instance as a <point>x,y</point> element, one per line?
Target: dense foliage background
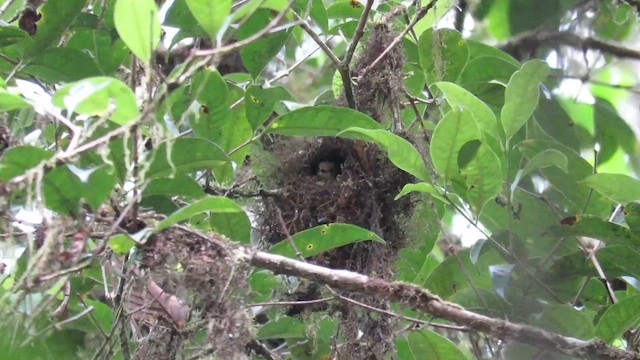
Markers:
<point>475,159</point>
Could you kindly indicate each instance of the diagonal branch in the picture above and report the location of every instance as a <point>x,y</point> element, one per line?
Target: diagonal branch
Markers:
<point>424,301</point>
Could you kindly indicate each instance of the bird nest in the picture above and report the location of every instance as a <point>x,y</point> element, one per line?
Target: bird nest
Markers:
<point>333,180</point>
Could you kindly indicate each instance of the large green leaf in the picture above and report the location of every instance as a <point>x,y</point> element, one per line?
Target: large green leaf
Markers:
<point>138,25</point>
<point>322,238</point>
<point>16,161</point>
<point>321,120</point>
<point>62,64</point>
<point>401,153</point>
<point>185,155</point>
<point>210,14</point>
<point>486,77</point>
<point>594,227</point>
<point>618,318</point>
<point>457,128</point>
<point>10,102</point>
<point>546,158</point>
<point>482,178</point>
<point>179,185</point>
<point>210,89</point>
<point>61,191</point>
<point>443,54</point>
<point>260,102</point>
<point>10,35</point>
<point>258,54</point>
<point>99,96</point>
<point>108,54</point>
<point>99,185</point>
<point>521,96</point>
<point>179,16</point>
<point>448,277</point>
<point>57,15</point>
<point>427,344</point>
<point>617,187</point>
<point>222,208</point>
<point>566,320</point>
<point>459,97</point>
<point>282,328</point>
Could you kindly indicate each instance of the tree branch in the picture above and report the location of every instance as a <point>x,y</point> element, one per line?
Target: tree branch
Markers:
<point>424,301</point>
<point>533,40</point>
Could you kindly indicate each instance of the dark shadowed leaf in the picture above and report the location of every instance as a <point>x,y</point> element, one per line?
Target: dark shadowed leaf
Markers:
<point>186,155</point>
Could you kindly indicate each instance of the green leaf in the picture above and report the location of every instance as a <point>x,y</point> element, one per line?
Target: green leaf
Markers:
<point>121,244</point>
<point>345,9</point>
<point>16,161</point>
<point>322,238</point>
<point>256,55</point>
<point>62,65</point>
<point>138,25</point>
<point>565,320</point>
<point>593,227</point>
<point>10,102</point>
<point>321,120</point>
<point>546,158</point>
<point>99,186</point>
<point>61,191</point>
<point>449,278</point>
<point>234,225</point>
<point>57,16</point>
<point>632,216</point>
<point>443,54</point>
<point>210,14</point>
<point>284,328</point>
<point>219,206</point>
<point>211,91</point>
<point>482,177</point>
<point>401,153</point>
<point>107,53</point>
<point>259,103</point>
<point>459,97</point>
<point>521,95</point>
<point>485,77</point>
<point>618,318</point>
<point>617,187</point>
<point>99,96</point>
<point>456,129</point>
<point>424,188</point>
<point>185,155</point>
<point>10,35</point>
<point>427,344</point>
<point>179,16</point>
<point>179,185</point>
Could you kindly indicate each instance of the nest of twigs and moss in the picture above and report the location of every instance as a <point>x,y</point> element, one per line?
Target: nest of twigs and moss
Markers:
<point>185,283</point>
